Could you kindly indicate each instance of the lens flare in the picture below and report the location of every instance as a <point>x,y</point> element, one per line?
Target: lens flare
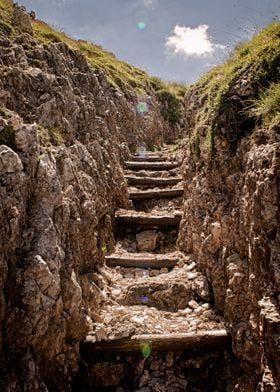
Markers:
<point>142,107</point>
<point>141,151</point>
<point>144,299</point>
<point>146,350</point>
<point>141,25</point>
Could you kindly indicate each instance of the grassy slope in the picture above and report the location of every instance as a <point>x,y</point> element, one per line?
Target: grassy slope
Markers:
<point>5,16</point>
<point>120,75</point>
<point>256,61</point>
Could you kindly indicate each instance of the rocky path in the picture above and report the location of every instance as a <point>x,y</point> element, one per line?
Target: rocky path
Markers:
<point>156,298</point>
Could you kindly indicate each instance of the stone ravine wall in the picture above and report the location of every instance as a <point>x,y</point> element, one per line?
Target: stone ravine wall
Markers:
<point>57,203</point>
<point>231,224</point>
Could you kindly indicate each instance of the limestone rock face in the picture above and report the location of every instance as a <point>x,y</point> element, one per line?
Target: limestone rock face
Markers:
<point>231,224</point>
<point>63,136</point>
<point>21,19</point>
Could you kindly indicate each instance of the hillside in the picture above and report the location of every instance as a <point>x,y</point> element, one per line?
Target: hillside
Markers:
<point>235,98</point>
<point>120,75</point>
<point>231,216</point>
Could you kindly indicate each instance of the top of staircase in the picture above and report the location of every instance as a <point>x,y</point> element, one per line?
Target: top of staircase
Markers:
<point>164,165</point>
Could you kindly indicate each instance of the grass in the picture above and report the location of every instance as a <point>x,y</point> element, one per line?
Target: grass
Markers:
<point>120,75</point>
<point>267,106</point>
<point>49,137</point>
<point>221,109</point>
<point>6,9</point>
<point>171,98</point>
<point>4,113</point>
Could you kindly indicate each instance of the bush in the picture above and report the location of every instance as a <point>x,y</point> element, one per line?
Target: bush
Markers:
<point>171,108</point>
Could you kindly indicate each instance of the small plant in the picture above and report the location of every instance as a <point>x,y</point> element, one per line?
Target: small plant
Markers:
<point>56,138</point>
<point>267,106</point>
<point>6,28</point>
<point>152,147</point>
<point>49,137</point>
<point>4,113</point>
<point>104,249</point>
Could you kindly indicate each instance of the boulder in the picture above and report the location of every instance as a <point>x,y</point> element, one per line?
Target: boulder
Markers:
<point>21,19</point>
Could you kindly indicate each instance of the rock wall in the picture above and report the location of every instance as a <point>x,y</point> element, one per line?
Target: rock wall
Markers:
<point>231,224</point>
<point>64,133</point>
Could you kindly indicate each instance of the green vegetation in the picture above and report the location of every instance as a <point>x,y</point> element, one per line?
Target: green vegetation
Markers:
<point>4,113</point>
<point>120,75</point>
<point>104,249</point>
<point>171,106</point>
<point>49,137</point>
<point>267,106</point>
<point>6,8</point>
<point>221,107</point>
<point>5,16</point>
<point>171,98</point>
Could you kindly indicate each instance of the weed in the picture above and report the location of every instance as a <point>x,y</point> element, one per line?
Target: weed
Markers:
<point>267,106</point>
<point>49,137</point>
<point>104,249</point>
<point>4,113</point>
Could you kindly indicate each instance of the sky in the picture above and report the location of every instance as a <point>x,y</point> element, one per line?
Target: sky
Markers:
<point>176,40</point>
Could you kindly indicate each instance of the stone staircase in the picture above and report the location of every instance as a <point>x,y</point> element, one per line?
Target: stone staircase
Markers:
<point>157,299</point>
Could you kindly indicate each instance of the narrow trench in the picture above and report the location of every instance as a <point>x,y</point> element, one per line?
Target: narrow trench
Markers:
<point>157,330</point>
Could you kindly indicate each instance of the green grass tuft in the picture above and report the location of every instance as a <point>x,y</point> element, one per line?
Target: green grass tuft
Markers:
<point>267,106</point>
<point>49,137</point>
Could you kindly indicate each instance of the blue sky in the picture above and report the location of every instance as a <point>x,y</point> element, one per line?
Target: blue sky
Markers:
<point>177,40</point>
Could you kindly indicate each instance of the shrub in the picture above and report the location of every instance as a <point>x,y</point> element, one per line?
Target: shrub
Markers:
<point>171,108</point>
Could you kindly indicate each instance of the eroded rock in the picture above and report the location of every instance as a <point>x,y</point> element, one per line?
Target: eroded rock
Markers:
<point>21,19</point>
<point>147,241</point>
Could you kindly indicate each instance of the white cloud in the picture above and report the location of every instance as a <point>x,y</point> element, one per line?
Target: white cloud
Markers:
<point>187,41</point>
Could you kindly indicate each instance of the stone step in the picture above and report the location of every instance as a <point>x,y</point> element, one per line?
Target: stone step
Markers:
<point>148,158</point>
<point>138,260</point>
<point>135,218</point>
<point>166,165</point>
<point>153,181</point>
<point>155,194</point>
<point>172,173</point>
<point>215,339</point>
